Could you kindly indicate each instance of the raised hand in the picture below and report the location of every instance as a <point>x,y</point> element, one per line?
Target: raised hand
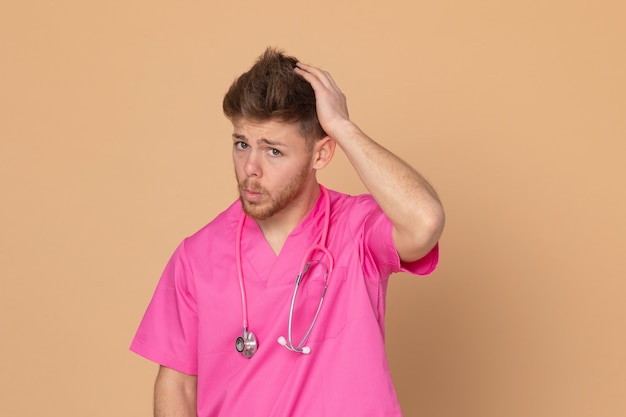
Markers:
<point>404,195</point>
<point>332,108</point>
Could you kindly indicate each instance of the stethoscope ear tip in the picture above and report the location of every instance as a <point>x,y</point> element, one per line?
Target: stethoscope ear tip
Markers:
<point>247,343</point>
<point>283,342</point>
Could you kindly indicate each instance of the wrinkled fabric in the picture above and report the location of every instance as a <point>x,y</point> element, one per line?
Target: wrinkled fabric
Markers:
<point>195,316</point>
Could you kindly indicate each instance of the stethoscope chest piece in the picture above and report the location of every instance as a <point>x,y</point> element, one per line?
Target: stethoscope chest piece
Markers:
<point>246,344</point>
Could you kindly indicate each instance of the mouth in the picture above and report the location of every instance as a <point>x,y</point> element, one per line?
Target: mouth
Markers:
<point>251,195</point>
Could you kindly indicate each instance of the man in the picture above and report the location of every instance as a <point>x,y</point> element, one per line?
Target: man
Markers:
<point>330,358</point>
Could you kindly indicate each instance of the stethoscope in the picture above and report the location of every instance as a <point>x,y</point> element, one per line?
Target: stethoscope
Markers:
<point>247,343</point>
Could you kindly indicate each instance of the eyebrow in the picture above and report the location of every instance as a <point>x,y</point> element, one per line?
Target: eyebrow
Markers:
<point>266,141</point>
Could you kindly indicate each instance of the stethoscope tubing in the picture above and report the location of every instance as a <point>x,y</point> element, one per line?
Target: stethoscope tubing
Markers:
<point>303,269</point>
<point>320,246</point>
<point>242,287</point>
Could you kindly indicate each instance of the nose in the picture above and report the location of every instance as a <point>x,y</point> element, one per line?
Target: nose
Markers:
<point>251,166</point>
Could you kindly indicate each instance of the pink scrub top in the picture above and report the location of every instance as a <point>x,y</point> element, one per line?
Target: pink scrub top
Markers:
<point>195,316</point>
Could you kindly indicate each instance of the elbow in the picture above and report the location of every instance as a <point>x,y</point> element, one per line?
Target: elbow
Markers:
<point>435,224</point>
<point>431,231</point>
<point>421,236</point>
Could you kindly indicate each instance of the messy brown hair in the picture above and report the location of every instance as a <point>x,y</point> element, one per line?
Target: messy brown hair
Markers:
<point>271,90</point>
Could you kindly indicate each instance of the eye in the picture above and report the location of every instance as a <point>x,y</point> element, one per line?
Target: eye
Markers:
<point>241,145</point>
<point>274,152</point>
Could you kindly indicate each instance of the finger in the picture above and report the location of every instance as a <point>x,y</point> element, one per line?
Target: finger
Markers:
<point>312,79</point>
<point>323,76</point>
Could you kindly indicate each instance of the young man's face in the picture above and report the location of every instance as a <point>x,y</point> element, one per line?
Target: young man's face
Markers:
<point>273,166</point>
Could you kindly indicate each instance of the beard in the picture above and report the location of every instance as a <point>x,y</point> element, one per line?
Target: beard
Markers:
<point>273,203</point>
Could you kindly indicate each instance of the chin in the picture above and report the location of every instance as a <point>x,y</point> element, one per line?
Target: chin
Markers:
<point>256,212</point>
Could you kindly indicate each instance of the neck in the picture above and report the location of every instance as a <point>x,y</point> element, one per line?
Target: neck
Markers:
<point>277,228</point>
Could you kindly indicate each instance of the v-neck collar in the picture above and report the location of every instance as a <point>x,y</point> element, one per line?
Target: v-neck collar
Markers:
<point>262,266</point>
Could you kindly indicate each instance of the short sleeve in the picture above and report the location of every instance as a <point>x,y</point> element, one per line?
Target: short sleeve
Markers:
<point>168,332</point>
<point>424,265</point>
<point>379,232</point>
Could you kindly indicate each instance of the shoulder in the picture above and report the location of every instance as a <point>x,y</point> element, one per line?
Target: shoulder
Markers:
<point>223,226</point>
<point>353,206</point>
<point>355,214</point>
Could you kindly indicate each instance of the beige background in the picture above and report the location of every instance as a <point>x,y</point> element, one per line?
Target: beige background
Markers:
<point>113,148</point>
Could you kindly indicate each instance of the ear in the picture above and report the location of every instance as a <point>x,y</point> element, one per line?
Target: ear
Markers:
<point>323,152</point>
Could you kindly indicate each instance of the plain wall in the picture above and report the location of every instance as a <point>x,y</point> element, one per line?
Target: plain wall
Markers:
<point>113,148</point>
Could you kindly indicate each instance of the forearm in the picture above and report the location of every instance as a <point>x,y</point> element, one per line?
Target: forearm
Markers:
<point>174,394</point>
<point>403,194</point>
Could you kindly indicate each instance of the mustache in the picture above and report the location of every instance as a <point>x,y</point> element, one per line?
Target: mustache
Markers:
<point>251,186</point>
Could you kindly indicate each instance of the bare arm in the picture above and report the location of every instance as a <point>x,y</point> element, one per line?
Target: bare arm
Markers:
<point>175,394</point>
<point>403,194</point>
